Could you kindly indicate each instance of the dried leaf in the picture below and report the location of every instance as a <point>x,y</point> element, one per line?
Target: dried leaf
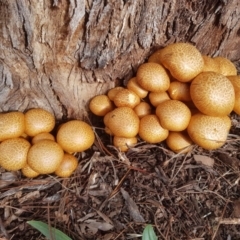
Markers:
<point>103,226</point>
<point>132,207</point>
<point>7,178</point>
<point>207,161</point>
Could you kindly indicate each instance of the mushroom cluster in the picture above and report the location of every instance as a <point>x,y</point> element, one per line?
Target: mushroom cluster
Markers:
<point>178,95</point>
<point>28,144</point>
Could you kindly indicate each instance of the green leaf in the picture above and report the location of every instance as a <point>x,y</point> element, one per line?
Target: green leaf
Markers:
<point>148,233</point>
<point>48,231</point>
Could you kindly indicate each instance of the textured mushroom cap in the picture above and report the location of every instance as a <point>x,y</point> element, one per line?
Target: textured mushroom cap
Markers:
<point>12,125</point>
<point>123,122</point>
<point>13,153</point>
<point>126,98</point>
<point>75,136</point>
<point>67,166</point>
<point>150,129</point>
<point>210,65</point>
<point>235,80</point>
<point>123,143</point>
<point>28,172</point>
<point>100,105</point>
<point>112,92</point>
<point>179,91</point>
<point>135,87</point>
<point>226,67</point>
<point>42,136</point>
<point>45,156</point>
<point>207,131</point>
<point>38,120</point>
<point>155,57</point>
<point>158,97</point>
<point>143,109</point>
<point>179,142</point>
<point>153,77</point>
<point>213,94</point>
<point>183,60</point>
<point>173,115</point>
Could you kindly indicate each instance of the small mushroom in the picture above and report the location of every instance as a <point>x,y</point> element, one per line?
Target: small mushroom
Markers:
<point>123,143</point>
<point>28,172</point>
<point>67,166</point>
<point>213,94</point>
<point>123,122</point>
<point>126,98</point>
<point>13,153</point>
<point>75,136</point>
<point>153,77</point>
<point>143,109</point>
<point>135,87</point>
<point>100,105</point>
<point>38,120</point>
<point>45,156</point>
<point>150,129</point>
<point>235,80</point>
<point>179,142</point>
<point>11,125</point>
<point>158,97</point>
<point>174,115</point>
<point>42,136</point>
<point>209,132</point>
<point>183,60</point>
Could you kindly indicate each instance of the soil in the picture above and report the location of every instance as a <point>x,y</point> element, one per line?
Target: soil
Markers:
<point>114,195</point>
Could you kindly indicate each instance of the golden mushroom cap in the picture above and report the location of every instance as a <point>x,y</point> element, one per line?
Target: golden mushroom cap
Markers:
<point>13,153</point>
<point>174,115</point>
<point>123,122</point>
<point>153,77</point>
<point>45,156</point>
<point>150,129</point>
<point>123,143</point>
<point>38,120</point>
<point>100,105</point>
<point>158,97</point>
<point>235,80</point>
<point>179,142</point>
<point>126,98</point>
<point>179,91</point>
<point>135,87</point>
<point>67,166</point>
<point>155,57</point>
<point>226,67</point>
<point>113,91</point>
<point>213,94</point>
<point>207,131</point>
<point>183,60</point>
<point>210,65</point>
<point>12,125</point>
<point>42,136</point>
<point>75,136</point>
<point>28,172</point>
<point>143,109</point>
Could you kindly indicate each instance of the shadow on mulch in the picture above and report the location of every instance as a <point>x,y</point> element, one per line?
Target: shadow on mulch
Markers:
<point>113,195</point>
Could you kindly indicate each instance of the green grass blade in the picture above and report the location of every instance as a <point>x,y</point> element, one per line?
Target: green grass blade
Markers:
<point>48,231</point>
<point>148,233</point>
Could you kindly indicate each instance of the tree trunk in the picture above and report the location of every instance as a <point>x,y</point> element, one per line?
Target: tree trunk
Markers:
<point>58,54</point>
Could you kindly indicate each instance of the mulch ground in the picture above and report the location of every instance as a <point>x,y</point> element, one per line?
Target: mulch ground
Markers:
<point>113,195</point>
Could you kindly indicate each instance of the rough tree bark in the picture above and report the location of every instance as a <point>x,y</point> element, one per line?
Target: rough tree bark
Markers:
<point>57,54</point>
